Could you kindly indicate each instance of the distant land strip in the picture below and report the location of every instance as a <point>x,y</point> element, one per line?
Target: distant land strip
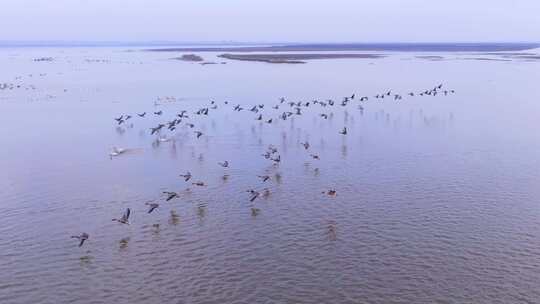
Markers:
<point>294,58</point>
<point>398,47</point>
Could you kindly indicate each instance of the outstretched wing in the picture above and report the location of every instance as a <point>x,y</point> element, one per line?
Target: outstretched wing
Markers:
<point>254,197</point>
<point>125,217</point>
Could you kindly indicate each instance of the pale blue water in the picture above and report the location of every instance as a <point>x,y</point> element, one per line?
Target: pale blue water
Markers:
<point>438,198</point>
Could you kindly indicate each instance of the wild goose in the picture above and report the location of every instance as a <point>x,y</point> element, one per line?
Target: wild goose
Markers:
<point>152,206</point>
<point>186,176</point>
<point>170,195</point>
<point>83,237</point>
<point>125,217</point>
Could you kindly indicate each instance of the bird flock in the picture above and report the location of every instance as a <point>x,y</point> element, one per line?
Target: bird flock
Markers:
<point>282,110</point>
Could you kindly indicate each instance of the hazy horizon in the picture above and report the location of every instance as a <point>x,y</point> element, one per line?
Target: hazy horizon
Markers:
<point>271,21</point>
<point>224,41</point>
<point>383,45</point>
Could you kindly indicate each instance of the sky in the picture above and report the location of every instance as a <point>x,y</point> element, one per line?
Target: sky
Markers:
<point>271,20</point>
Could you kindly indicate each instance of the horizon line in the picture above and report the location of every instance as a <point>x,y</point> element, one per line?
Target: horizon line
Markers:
<point>46,43</point>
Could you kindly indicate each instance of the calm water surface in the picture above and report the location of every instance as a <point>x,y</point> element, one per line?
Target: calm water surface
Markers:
<point>438,198</point>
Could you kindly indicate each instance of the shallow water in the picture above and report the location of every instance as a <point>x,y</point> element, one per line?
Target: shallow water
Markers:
<point>438,198</point>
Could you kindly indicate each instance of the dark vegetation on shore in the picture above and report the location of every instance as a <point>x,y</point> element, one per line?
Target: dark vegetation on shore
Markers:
<point>190,57</point>
<point>294,58</point>
<point>431,57</point>
<point>43,59</point>
<point>530,57</point>
<point>486,59</point>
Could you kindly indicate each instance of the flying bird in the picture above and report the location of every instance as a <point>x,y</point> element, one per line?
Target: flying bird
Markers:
<point>170,195</point>
<point>186,176</point>
<point>254,195</point>
<point>117,151</point>
<point>156,129</point>
<point>264,177</point>
<point>331,192</point>
<point>83,237</point>
<point>152,206</point>
<point>125,217</point>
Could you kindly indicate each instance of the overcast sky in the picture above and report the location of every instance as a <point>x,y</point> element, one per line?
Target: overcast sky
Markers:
<point>271,20</point>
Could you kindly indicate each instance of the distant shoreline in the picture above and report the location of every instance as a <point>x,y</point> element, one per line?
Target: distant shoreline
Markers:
<point>397,47</point>
<point>294,58</point>
<point>231,46</point>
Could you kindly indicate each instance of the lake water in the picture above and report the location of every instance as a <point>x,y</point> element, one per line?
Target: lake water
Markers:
<point>438,197</point>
